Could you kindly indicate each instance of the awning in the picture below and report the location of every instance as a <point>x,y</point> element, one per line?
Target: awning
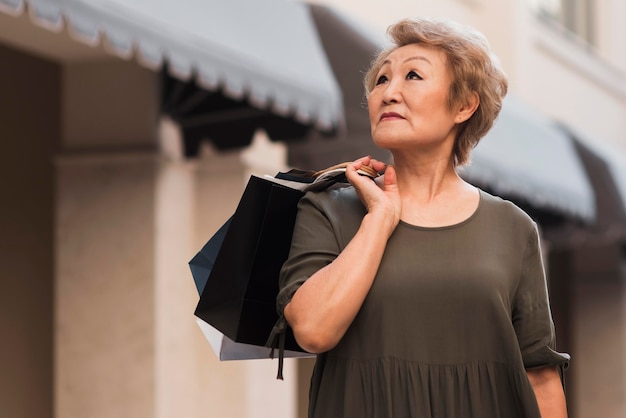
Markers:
<point>616,161</point>
<point>524,157</point>
<point>606,167</point>
<point>265,52</point>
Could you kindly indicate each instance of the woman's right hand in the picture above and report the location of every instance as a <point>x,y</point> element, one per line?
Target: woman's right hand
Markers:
<point>323,308</point>
<point>381,197</point>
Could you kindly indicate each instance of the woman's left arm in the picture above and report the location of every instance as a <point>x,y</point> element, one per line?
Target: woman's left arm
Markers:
<point>546,383</point>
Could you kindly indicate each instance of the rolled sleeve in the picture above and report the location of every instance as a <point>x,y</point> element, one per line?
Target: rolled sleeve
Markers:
<point>532,318</point>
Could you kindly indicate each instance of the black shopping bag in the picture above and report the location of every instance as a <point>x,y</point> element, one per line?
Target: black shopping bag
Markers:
<point>239,297</point>
<point>225,348</point>
<point>237,271</point>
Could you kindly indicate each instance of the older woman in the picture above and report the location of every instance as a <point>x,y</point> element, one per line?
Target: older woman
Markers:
<point>423,295</point>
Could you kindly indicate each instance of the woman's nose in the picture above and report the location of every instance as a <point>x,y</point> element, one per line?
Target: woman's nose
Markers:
<point>392,93</point>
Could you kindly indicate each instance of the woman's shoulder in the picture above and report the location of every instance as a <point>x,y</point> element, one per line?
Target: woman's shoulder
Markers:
<point>341,198</point>
<point>341,208</point>
<point>504,211</point>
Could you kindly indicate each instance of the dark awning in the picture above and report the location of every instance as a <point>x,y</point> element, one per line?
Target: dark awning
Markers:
<point>606,167</point>
<point>524,158</point>
<point>265,53</point>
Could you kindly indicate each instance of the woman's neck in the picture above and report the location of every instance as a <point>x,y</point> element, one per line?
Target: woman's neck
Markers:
<point>425,180</point>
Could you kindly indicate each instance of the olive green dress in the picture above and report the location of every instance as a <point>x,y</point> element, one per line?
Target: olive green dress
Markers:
<point>454,317</point>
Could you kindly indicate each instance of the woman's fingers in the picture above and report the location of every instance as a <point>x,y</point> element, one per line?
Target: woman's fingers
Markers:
<point>380,195</point>
<point>363,161</point>
<point>367,189</point>
<point>351,171</point>
<point>379,166</point>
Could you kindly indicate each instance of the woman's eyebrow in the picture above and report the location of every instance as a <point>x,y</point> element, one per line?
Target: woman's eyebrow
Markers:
<point>418,58</point>
<point>414,58</point>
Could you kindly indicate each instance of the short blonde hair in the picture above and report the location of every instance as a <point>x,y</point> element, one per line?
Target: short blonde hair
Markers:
<point>474,68</point>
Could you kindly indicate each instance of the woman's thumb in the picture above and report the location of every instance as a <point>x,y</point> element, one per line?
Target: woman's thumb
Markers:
<point>391,181</point>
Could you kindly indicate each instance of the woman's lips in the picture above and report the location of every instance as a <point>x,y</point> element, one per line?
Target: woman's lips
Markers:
<point>390,116</point>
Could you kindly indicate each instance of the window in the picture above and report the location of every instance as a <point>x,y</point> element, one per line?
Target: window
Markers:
<point>576,16</point>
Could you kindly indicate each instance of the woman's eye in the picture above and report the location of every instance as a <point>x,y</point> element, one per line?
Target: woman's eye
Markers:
<point>382,79</point>
<point>412,75</point>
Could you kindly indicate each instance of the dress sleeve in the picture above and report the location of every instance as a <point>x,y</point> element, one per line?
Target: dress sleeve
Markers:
<point>313,246</point>
<point>325,222</point>
<point>532,318</point>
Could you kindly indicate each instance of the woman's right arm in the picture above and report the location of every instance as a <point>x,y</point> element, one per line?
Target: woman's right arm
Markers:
<point>323,308</point>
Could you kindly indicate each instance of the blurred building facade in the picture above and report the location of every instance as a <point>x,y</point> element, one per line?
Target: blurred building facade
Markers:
<point>103,208</point>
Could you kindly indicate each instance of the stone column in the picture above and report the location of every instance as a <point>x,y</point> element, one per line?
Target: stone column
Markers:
<point>105,290</point>
<point>174,292</point>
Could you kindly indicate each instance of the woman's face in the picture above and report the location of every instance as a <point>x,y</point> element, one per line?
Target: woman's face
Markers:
<point>408,106</point>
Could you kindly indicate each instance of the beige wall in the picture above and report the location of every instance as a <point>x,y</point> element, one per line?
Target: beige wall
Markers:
<point>572,84</point>
<point>104,317</point>
<point>29,131</point>
<point>109,104</point>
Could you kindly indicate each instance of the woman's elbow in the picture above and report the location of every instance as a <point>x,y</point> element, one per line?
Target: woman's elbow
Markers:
<point>313,341</point>
<point>313,337</point>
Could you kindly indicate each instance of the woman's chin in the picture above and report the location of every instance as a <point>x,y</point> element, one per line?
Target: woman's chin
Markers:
<point>389,143</point>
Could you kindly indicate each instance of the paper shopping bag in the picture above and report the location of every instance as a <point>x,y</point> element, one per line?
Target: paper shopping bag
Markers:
<point>237,271</point>
<point>239,297</point>
<point>225,348</point>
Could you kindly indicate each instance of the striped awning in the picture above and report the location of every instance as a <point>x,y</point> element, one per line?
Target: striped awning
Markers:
<point>265,52</point>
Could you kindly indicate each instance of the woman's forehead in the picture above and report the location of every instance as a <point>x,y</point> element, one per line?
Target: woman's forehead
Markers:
<point>427,54</point>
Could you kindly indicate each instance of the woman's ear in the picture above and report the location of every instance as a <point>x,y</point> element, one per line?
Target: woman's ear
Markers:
<point>467,109</point>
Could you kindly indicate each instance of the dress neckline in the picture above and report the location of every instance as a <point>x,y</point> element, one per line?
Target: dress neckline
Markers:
<point>451,226</point>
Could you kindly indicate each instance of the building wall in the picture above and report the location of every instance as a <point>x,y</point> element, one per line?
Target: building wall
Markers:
<point>30,134</point>
<point>573,84</point>
<point>109,104</point>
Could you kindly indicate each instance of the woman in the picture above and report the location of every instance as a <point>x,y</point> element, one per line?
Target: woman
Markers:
<point>423,295</point>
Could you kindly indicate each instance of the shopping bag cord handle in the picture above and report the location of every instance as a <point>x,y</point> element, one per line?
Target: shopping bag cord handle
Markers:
<point>278,331</point>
